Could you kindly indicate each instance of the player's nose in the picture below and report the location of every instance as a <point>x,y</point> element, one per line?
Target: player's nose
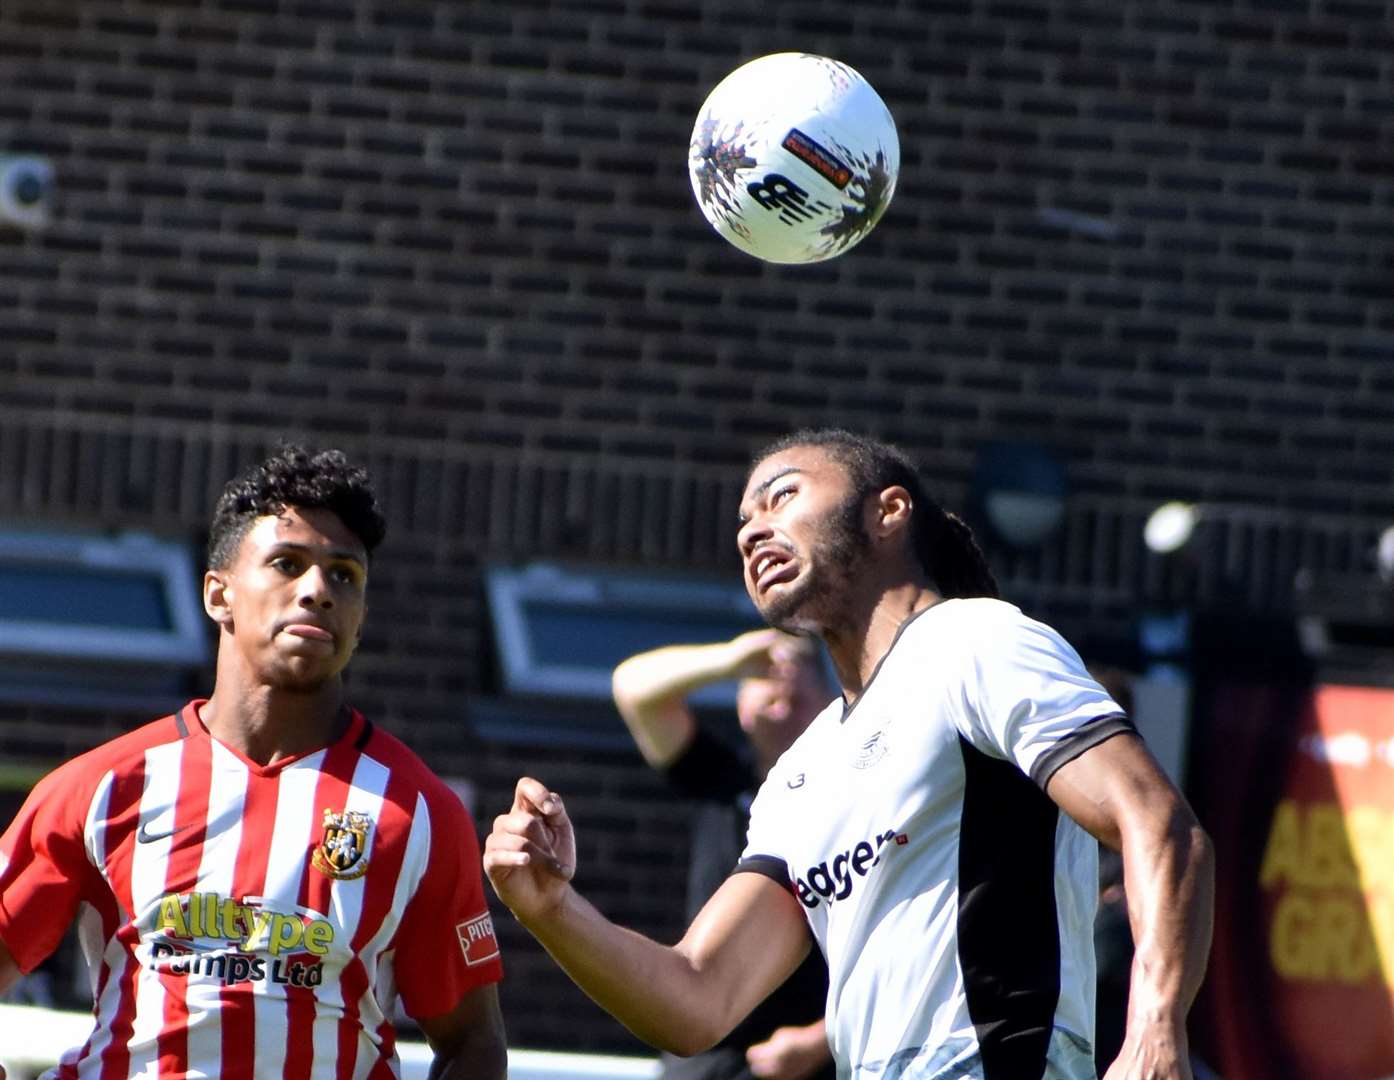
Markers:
<point>314,589</point>
<point>751,534</point>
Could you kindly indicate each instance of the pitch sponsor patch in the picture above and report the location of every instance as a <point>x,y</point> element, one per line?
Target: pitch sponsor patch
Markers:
<point>477,939</point>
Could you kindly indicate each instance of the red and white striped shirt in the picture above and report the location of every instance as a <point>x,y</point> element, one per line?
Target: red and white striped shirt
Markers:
<point>242,920</point>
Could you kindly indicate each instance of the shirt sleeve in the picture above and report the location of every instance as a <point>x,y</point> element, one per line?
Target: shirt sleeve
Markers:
<point>1028,698</point>
<point>446,945</point>
<point>44,869</point>
<point>770,821</point>
<point>764,852</point>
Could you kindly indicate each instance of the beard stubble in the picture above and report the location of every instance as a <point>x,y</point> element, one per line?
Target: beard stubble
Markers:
<point>837,549</point>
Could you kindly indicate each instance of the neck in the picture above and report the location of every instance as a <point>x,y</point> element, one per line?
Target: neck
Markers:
<point>859,643</point>
<point>268,723</point>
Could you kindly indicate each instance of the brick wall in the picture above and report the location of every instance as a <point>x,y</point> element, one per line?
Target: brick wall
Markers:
<point>458,240</point>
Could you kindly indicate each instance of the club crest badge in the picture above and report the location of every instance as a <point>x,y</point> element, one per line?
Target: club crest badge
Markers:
<point>871,751</point>
<point>341,853</point>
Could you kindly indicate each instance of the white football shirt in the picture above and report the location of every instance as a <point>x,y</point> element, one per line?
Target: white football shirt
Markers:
<point>953,900</point>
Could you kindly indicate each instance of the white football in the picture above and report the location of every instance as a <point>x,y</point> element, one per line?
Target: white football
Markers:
<point>793,157</point>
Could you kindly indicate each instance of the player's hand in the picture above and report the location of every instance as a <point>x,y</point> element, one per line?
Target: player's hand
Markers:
<point>790,1053</point>
<point>760,654</point>
<point>1158,1052</point>
<point>530,857</point>
<point>751,653</point>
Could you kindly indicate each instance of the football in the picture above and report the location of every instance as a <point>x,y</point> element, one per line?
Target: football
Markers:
<point>794,158</point>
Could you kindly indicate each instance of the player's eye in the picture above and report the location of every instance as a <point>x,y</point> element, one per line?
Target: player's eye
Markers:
<point>284,563</point>
<point>781,493</point>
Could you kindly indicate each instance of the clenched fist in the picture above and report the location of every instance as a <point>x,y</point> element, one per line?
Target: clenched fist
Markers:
<point>530,857</point>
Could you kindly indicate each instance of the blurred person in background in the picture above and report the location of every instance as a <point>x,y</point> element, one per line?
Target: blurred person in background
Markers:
<point>258,877</point>
<point>933,830</point>
<point>781,690</point>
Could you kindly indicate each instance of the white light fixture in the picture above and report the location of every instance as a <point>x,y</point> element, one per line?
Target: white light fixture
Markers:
<point>1170,527</point>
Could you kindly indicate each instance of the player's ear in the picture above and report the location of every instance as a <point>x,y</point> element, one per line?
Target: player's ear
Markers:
<point>892,511</point>
<point>217,597</point>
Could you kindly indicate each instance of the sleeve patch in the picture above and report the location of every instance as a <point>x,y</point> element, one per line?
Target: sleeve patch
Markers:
<point>477,939</point>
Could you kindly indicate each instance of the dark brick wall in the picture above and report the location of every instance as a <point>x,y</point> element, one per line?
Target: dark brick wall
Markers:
<point>458,240</point>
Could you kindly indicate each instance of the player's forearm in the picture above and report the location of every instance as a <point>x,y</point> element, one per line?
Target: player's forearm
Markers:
<point>1169,876</point>
<point>652,989</point>
<point>651,689</point>
<point>653,678</point>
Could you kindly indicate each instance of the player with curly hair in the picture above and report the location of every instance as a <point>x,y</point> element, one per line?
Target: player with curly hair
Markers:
<point>256,878</point>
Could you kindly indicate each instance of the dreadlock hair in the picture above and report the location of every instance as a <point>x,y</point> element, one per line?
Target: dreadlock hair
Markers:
<point>942,541</point>
<point>294,477</point>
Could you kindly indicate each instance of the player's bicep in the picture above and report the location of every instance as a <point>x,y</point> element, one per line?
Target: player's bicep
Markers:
<point>747,940</point>
<point>1113,787</point>
<point>470,1037</point>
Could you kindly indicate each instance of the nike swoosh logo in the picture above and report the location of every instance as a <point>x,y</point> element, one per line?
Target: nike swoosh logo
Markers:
<point>145,836</point>
<point>211,828</point>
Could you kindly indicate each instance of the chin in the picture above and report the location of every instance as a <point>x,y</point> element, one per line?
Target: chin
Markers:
<point>298,680</point>
<point>809,603</point>
<point>790,613</point>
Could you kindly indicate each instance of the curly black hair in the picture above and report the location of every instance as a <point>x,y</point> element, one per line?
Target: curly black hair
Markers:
<point>297,477</point>
<point>943,542</point>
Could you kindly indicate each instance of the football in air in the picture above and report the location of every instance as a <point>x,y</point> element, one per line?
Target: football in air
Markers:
<point>794,158</point>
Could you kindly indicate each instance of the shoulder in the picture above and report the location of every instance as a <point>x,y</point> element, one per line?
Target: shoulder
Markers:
<point>414,775</point>
<point>970,613</point>
<point>62,799</point>
<point>977,623</point>
<point>959,627</point>
<point>116,755</point>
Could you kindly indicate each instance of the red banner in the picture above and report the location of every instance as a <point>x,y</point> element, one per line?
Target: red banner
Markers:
<point>1297,788</point>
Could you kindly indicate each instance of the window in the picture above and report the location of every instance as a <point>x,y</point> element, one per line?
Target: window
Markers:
<point>560,631</point>
<point>101,620</point>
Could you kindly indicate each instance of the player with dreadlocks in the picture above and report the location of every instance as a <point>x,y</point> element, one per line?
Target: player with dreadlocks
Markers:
<point>933,830</point>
